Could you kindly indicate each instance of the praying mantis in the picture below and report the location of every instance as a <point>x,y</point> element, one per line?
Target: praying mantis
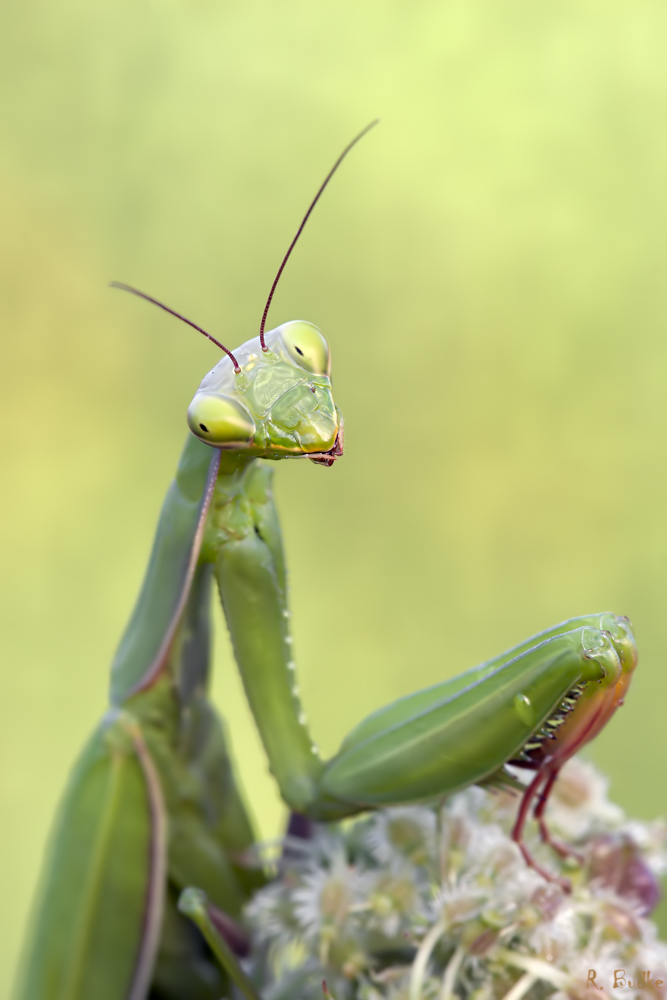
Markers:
<point>153,808</point>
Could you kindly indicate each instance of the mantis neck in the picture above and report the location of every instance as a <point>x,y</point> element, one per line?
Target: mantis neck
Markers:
<point>242,539</point>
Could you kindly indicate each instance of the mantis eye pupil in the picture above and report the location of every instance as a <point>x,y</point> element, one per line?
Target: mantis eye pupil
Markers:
<point>217,419</point>
<point>305,346</point>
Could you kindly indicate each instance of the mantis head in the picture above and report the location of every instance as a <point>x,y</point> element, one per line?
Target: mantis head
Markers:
<point>272,397</point>
<point>273,401</point>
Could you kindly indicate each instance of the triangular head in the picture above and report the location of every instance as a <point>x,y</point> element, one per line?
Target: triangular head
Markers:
<point>274,403</point>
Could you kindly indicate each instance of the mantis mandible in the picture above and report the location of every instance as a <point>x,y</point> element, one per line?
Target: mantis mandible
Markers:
<point>153,807</point>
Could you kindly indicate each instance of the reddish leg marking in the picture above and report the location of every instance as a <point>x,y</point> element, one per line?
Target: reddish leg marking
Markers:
<point>517,832</point>
<point>563,850</point>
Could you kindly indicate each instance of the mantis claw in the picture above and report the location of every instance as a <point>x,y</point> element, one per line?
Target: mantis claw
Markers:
<point>558,880</point>
<point>562,849</point>
<point>546,780</point>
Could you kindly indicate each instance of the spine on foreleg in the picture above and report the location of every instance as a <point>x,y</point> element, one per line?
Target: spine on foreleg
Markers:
<point>250,571</point>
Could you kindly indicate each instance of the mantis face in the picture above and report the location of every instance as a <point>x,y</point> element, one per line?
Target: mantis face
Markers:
<point>271,398</point>
<point>279,404</point>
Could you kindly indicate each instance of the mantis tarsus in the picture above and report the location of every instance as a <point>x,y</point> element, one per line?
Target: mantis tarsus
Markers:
<point>153,808</point>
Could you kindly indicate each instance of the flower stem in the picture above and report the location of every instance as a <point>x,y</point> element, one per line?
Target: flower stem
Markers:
<point>452,971</point>
<point>421,959</point>
<point>521,986</point>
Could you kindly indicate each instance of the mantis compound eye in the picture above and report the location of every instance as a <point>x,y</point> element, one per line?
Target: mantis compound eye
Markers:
<point>306,346</point>
<point>220,420</point>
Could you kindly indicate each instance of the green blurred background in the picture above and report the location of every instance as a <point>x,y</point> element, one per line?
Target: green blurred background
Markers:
<point>489,268</point>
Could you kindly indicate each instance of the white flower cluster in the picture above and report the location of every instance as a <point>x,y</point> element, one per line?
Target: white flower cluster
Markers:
<point>437,903</point>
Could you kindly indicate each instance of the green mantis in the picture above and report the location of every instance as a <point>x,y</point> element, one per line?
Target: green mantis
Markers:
<point>153,807</point>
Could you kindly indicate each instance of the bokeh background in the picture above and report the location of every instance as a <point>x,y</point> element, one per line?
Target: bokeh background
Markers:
<point>489,268</point>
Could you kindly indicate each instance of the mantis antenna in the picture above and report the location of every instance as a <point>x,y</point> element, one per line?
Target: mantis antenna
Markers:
<point>156,302</point>
<point>303,223</point>
<point>172,312</point>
